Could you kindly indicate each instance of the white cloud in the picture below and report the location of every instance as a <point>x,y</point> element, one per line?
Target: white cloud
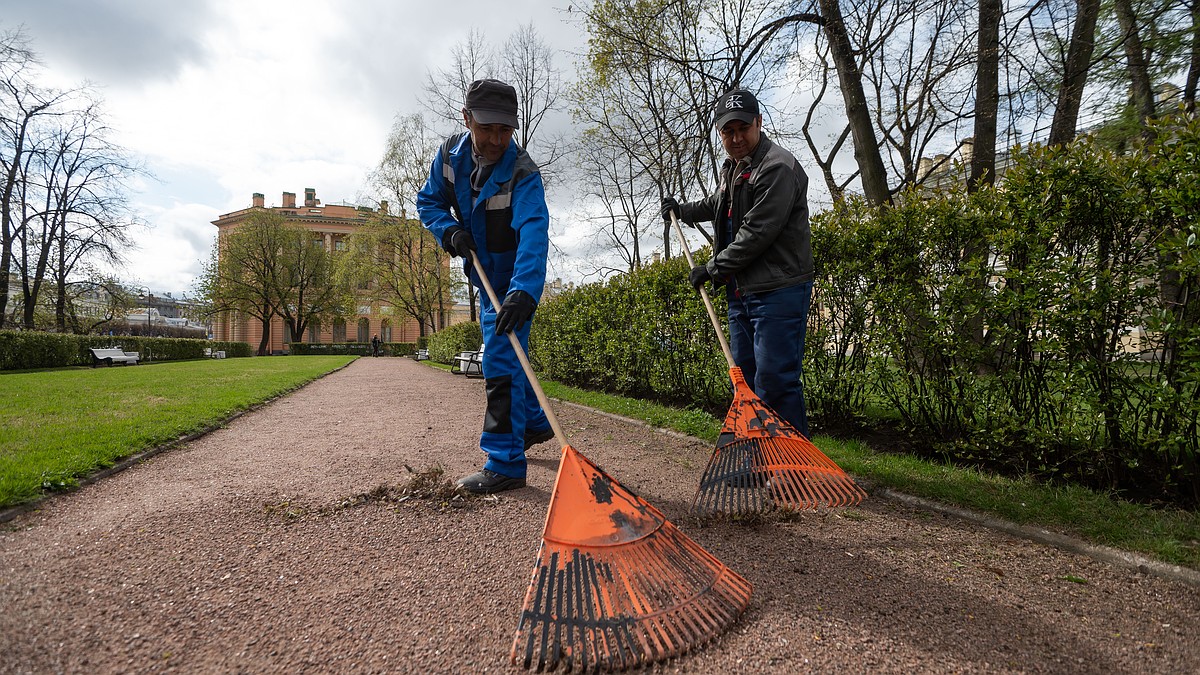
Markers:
<point>226,98</point>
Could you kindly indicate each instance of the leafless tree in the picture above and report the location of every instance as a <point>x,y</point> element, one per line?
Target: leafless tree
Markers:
<point>22,105</point>
<point>526,62</point>
<point>89,215</point>
<point>444,90</point>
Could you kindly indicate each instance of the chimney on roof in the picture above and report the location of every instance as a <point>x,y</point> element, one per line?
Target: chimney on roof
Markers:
<point>967,150</point>
<point>383,206</point>
<point>257,200</point>
<point>310,197</point>
<point>289,200</point>
<point>924,166</point>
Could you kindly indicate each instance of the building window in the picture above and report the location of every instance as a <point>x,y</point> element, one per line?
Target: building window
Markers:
<point>385,330</point>
<point>339,330</point>
<point>364,330</point>
<point>339,245</point>
<point>287,332</point>
<point>314,332</point>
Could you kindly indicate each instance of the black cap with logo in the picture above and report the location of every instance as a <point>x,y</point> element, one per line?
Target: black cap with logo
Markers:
<point>737,104</point>
<point>492,102</point>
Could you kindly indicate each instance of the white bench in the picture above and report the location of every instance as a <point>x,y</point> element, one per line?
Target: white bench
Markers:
<point>468,363</point>
<point>420,355</point>
<point>212,354</point>
<point>113,355</point>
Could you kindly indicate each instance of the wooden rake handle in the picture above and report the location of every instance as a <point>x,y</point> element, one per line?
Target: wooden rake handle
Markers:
<point>516,344</point>
<point>712,312</point>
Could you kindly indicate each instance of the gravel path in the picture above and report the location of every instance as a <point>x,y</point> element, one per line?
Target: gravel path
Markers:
<point>244,552</point>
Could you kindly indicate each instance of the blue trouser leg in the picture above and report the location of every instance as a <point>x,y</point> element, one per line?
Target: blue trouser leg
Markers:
<point>766,336</point>
<point>511,403</point>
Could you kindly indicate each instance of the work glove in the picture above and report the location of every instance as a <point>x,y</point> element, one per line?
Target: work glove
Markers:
<point>699,276</point>
<point>515,311</point>
<point>457,240</point>
<point>669,205</point>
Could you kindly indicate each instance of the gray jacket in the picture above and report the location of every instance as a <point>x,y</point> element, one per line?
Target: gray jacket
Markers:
<point>770,247</point>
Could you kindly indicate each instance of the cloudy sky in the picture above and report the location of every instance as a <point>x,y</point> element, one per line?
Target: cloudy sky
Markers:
<point>225,98</point>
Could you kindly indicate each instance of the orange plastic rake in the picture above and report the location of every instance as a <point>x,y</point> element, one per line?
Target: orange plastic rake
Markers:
<point>615,584</point>
<point>761,461</point>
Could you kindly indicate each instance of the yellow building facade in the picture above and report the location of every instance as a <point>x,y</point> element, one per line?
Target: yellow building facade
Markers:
<point>332,224</point>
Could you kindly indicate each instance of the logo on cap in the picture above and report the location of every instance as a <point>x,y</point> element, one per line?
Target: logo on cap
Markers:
<point>734,101</point>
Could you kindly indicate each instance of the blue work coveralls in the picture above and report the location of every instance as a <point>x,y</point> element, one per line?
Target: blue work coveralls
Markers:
<point>510,224</point>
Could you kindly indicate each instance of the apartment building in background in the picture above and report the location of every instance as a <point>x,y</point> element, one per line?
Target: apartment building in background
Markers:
<point>331,224</point>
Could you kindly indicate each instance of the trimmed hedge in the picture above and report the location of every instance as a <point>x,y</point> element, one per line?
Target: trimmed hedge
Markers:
<point>359,348</point>
<point>644,335</point>
<point>1048,327</point>
<point>20,350</point>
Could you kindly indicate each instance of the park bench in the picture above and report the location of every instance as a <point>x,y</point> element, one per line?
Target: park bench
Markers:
<point>468,363</point>
<point>420,355</point>
<point>112,355</point>
<point>214,354</point>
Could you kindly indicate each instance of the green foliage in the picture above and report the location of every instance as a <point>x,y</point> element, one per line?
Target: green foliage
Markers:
<point>1047,327</point>
<point>396,261</point>
<point>644,335</point>
<point>62,425</point>
<point>20,350</point>
<point>445,344</point>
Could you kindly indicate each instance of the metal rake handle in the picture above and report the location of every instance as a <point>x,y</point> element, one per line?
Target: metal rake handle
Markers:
<point>712,312</point>
<point>512,337</point>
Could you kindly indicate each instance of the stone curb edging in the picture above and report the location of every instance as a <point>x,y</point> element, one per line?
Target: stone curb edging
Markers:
<point>14,511</point>
<point>1105,554</point>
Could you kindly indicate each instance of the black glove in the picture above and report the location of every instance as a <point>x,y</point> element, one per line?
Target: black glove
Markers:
<point>669,205</point>
<point>699,276</point>
<point>515,311</point>
<point>457,240</point>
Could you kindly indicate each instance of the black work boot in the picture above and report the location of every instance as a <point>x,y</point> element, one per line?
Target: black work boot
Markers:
<point>486,482</point>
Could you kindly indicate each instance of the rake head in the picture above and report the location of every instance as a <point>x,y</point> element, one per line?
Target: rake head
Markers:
<point>616,585</point>
<point>761,462</point>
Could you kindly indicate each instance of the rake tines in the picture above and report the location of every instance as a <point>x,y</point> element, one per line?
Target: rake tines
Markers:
<point>762,462</point>
<point>616,585</point>
<point>758,474</point>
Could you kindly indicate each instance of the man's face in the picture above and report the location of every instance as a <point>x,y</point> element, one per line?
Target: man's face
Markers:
<point>489,140</point>
<point>740,138</point>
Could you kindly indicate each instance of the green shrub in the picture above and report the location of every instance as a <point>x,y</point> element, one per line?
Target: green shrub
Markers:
<point>33,349</point>
<point>644,335</point>
<point>445,344</point>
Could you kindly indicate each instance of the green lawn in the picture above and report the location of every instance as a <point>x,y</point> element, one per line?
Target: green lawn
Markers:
<point>60,425</point>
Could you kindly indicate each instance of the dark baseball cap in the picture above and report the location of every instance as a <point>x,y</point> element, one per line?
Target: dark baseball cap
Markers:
<point>737,104</point>
<point>492,102</point>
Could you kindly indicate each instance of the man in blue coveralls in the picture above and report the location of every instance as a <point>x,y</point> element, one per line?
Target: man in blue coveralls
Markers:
<point>485,188</point>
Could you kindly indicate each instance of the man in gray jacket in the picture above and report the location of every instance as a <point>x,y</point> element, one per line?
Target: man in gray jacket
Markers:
<point>762,254</point>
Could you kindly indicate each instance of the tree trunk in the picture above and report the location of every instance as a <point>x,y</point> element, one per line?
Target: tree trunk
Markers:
<point>1075,72</point>
<point>1135,61</point>
<point>1193,74</point>
<point>983,151</point>
<point>266,331</point>
<point>866,146</point>
<point>987,96</point>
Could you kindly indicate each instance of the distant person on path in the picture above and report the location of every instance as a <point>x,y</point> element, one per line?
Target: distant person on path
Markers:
<point>761,254</point>
<point>375,342</point>
<point>484,188</point>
